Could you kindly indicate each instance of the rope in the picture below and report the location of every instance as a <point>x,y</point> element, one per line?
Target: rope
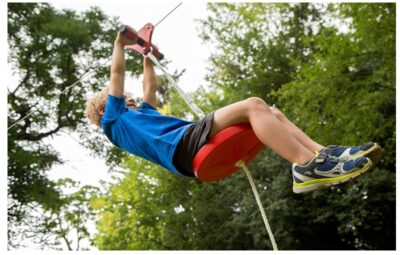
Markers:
<point>190,102</point>
<point>187,97</point>
<point>257,196</point>
<point>59,94</point>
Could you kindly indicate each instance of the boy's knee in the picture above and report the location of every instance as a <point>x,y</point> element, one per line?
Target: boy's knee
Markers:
<point>277,112</point>
<point>255,103</point>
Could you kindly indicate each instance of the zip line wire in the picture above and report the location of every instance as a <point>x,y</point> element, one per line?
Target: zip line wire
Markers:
<point>176,7</point>
<point>83,76</point>
<point>59,94</point>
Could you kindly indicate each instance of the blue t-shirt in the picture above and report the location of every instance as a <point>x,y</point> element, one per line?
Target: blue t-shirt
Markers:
<point>143,132</point>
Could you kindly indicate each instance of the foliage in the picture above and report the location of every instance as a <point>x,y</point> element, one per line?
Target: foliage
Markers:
<point>63,227</point>
<point>348,97</point>
<point>154,209</point>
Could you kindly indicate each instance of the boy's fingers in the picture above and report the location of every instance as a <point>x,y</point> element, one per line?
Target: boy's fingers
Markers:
<point>124,39</point>
<point>129,104</point>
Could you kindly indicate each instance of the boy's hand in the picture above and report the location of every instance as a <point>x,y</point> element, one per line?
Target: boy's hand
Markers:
<point>123,40</point>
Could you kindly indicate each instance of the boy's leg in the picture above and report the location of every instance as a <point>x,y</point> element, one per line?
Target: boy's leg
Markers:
<point>321,170</point>
<point>369,149</point>
<point>296,132</point>
<point>266,126</point>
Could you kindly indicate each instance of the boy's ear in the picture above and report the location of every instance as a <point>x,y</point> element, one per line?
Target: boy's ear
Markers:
<point>100,110</point>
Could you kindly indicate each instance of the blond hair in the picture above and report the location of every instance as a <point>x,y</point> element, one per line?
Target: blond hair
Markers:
<point>92,104</point>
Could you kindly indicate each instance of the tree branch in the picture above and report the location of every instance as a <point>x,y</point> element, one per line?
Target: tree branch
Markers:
<point>33,138</point>
<point>63,231</point>
<point>385,87</point>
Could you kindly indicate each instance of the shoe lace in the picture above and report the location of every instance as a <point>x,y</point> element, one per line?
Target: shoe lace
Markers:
<point>322,157</point>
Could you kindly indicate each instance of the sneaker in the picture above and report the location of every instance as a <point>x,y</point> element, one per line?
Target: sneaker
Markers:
<point>325,170</point>
<point>370,150</point>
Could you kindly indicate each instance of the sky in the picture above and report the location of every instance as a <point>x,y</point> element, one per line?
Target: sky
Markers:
<point>176,37</point>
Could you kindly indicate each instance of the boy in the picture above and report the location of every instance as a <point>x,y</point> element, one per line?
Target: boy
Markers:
<point>173,143</point>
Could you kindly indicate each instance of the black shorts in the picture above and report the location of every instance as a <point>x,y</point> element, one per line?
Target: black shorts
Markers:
<point>193,139</point>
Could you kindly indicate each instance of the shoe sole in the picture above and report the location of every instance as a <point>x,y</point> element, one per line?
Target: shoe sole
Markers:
<point>328,182</point>
<point>374,153</point>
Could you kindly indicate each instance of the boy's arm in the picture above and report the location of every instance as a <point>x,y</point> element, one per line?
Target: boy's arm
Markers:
<point>118,66</point>
<point>149,83</point>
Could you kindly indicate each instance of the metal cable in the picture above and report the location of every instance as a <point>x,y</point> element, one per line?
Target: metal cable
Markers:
<point>59,94</point>
<point>168,14</point>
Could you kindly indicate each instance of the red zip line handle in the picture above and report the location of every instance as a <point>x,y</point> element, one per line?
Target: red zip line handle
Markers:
<point>142,38</point>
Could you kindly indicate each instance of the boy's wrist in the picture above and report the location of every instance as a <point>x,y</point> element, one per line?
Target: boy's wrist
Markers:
<point>148,62</point>
<point>118,43</point>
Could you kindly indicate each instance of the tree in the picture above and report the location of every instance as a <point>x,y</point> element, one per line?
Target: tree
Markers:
<point>258,46</point>
<point>62,227</point>
<point>347,97</point>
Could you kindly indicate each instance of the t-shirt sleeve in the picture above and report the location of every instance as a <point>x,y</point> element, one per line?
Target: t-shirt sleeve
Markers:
<point>148,109</point>
<point>115,106</point>
<point>145,105</point>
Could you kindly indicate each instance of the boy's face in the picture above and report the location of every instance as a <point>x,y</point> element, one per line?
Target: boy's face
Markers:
<point>130,102</point>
